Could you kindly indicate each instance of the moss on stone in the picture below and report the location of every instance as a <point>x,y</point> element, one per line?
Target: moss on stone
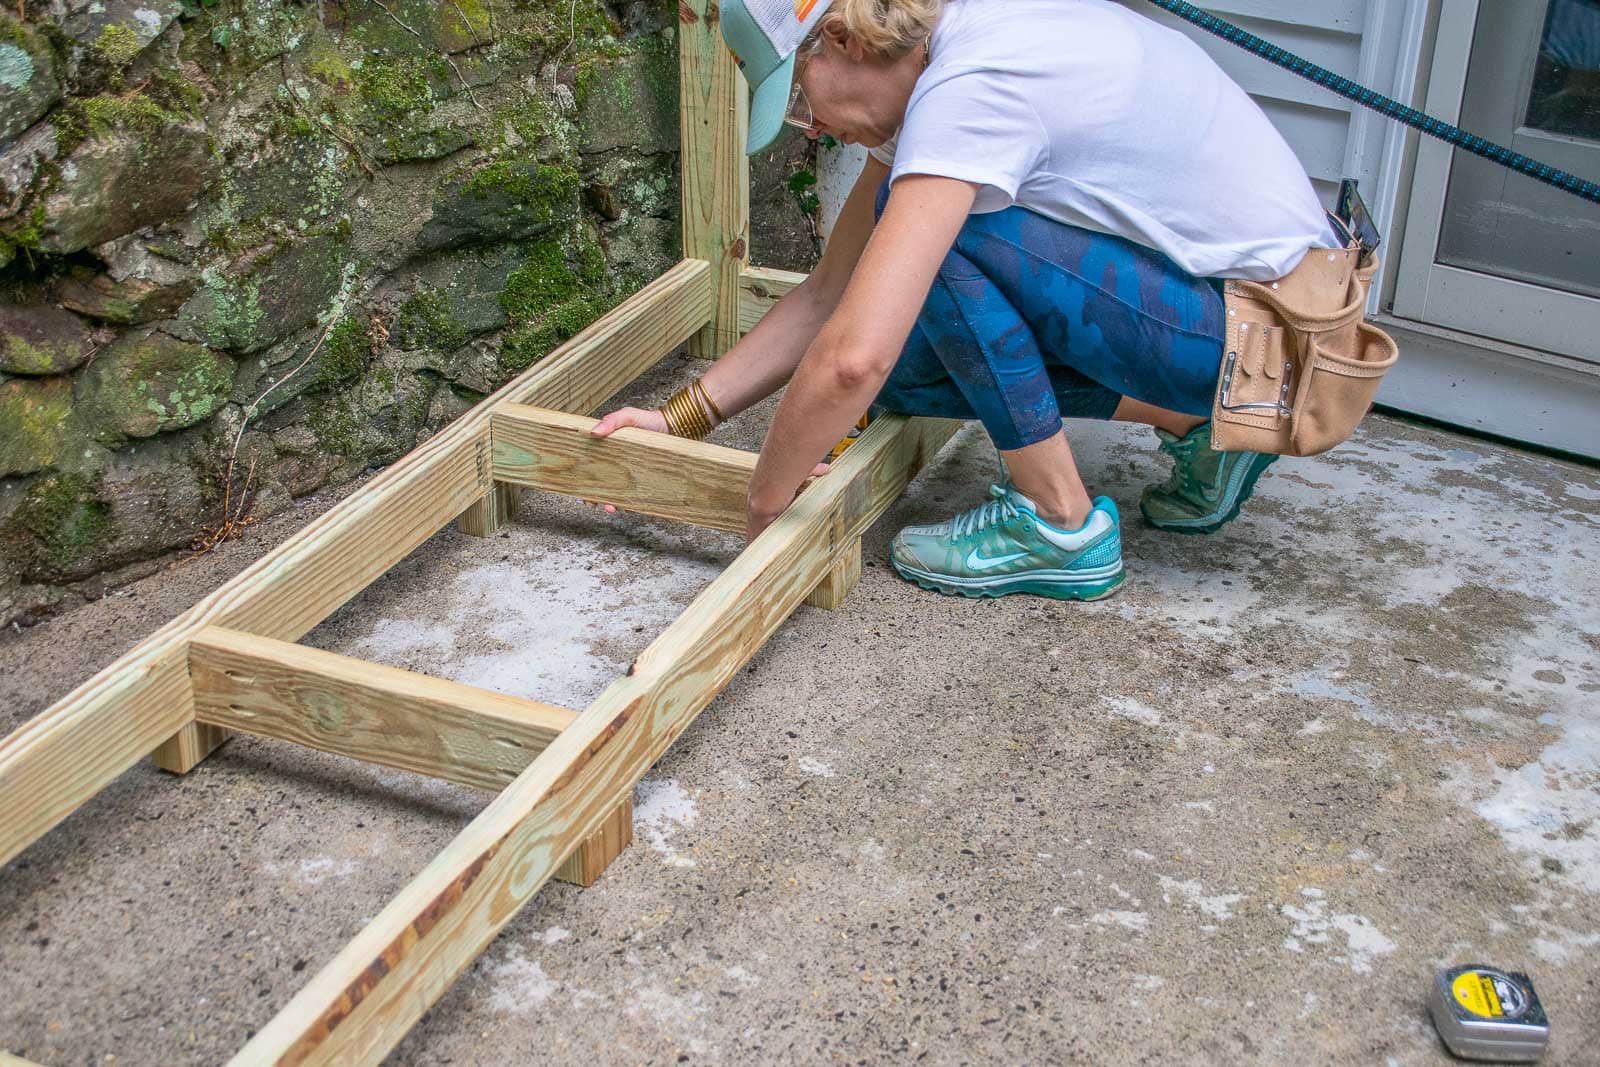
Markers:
<point>117,45</point>
<point>544,279</point>
<point>36,414</point>
<point>80,120</point>
<point>337,426</point>
<point>25,238</point>
<point>148,384</point>
<point>344,354</point>
<point>526,345</point>
<point>394,84</point>
<point>425,322</point>
<point>542,187</point>
<point>61,521</point>
<point>24,357</point>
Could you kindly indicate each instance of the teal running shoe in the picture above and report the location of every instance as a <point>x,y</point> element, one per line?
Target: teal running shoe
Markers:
<point>1206,488</point>
<point>1003,546</point>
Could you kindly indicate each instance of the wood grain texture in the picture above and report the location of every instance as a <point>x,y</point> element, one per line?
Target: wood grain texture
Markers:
<point>401,719</point>
<point>362,1003</point>
<point>714,170</point>
<point>651,473</point>
<point>841,578</point>
<point>759,289</point>
<point>485,517</point>
<point>53,763</point>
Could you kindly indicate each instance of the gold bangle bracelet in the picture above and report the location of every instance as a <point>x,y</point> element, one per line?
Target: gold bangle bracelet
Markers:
<point>705,398</point>
<point>684,415</point>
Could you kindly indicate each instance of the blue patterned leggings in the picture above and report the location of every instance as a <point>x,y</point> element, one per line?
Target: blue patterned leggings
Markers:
<point>1030,320</point>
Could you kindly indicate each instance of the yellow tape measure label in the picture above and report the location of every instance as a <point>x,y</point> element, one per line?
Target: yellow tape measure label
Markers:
<point>1476,992</point>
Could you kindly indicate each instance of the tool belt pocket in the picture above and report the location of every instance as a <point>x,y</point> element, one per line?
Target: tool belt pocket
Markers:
<point>1300,366</point>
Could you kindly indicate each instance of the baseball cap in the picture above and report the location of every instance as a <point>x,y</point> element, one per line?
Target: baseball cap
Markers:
<point>763,36</point>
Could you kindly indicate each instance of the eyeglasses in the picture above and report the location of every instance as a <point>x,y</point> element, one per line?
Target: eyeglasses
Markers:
<point>798,114</point>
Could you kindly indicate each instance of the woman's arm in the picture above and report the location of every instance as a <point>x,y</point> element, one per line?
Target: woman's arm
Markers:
<point>854,352</point>
<point>766,357</point>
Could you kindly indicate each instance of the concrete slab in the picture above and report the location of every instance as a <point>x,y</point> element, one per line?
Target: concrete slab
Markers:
<point>1239,813</point>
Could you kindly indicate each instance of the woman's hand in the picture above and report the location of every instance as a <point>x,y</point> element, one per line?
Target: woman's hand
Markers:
<point>651,420</point>
<point>760,514</point>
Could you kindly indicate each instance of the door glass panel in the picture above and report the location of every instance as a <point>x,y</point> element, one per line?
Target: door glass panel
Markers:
<point>1566,77</point>
<point>1533,83</point>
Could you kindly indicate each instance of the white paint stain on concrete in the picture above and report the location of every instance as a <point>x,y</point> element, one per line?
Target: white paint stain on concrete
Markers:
<point>812,765</point>
<point>1130,920</point>
<point>1549,809</point>
<point>1313,924</point>
<point>1129,708</point>
<point>1193,893</point>
<point>517,984</point>
<point>661,809</point>
<point>312,872</point>
<point>556,934</point>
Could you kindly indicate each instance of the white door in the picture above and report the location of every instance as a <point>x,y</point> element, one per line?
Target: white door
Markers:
<point>1488,251</point>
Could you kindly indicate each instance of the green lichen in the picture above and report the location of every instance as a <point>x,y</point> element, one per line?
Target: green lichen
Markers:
<point>25,357</point>
<point>425,322</point>
<point>323,62</point>
<point>468,19</point>
<point>233,310</point>
<point>118,45</point>
<point>395,84</point>
<point>60,522</point>
<point>35,414</point>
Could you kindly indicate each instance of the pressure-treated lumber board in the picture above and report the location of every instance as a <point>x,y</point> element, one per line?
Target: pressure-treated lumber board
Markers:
<point>368,711</point>
<point>63,756</point>
<point>840,579</point>
<point>713,170</point>
<point>362,1003</point>
<point>651,473</point>
<point>485,518</point>
<point>759,289</point>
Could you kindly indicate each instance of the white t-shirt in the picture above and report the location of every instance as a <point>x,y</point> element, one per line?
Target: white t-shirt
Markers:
<point>1087,113</point>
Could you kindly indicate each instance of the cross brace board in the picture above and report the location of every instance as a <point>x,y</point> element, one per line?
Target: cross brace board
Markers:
<point>564,779</point>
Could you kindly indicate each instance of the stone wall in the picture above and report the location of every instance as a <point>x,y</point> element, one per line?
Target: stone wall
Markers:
<point>296,236</point>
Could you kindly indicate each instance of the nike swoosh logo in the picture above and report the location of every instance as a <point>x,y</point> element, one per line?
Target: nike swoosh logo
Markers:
<point>979,562</point>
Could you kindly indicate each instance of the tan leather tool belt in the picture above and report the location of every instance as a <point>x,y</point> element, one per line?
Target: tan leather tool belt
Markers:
<point>1300,365</point>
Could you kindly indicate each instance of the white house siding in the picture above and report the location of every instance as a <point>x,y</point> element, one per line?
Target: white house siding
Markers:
<point>1332,141</point>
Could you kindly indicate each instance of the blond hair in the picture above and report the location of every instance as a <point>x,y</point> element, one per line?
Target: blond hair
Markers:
<point>888,28</point>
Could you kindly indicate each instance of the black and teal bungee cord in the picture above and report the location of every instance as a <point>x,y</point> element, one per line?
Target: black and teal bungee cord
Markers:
<point>1467,142</point>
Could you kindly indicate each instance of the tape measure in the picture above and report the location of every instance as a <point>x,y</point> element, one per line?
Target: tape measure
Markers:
<point>1488,1014</point>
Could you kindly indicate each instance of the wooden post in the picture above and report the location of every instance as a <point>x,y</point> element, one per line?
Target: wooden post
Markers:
<point>841,578</point>
<point>484,518</point>
<point>585,865</point>
<point>183,751</point>
<point>712,118</point>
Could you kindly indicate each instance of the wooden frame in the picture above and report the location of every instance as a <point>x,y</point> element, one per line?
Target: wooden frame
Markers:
<point>564,778</point>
